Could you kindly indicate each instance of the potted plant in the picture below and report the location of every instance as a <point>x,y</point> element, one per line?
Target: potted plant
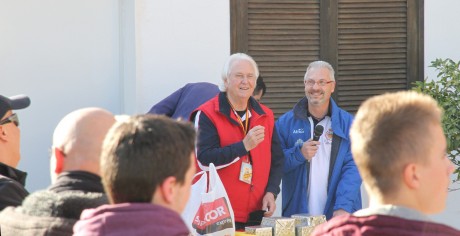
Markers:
<point>446,91</point>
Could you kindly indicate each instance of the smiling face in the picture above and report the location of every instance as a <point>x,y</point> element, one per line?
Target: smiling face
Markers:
<point>240,82</point>
<point>316,94</point>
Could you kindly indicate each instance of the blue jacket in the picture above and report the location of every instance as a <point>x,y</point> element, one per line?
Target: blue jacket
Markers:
<point>343,190</point>
<point>184,100</point>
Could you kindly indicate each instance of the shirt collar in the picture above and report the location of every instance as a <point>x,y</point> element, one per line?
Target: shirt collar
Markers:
<point>393,210</point>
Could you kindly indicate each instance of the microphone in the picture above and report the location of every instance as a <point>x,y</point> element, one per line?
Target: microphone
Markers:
<point>318,132</point>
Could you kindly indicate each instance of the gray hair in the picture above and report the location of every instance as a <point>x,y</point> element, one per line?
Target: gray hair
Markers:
<point>320,64</point>
<point>229,64</point>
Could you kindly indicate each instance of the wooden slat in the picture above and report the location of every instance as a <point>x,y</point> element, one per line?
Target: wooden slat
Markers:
<point>375,31</point>
<point>366,41</point>
<point>283,37</point>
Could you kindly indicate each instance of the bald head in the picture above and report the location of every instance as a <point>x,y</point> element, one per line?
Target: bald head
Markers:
<point>79,136</point>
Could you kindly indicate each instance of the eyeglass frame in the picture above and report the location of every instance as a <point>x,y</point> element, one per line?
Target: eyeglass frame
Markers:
<point>13,118</point>
<point>321,83</point>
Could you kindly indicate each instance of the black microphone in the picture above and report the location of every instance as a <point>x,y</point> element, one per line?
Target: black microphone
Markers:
<point>318,132</point>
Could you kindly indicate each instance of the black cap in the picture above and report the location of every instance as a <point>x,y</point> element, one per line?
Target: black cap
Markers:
<point>13,103</point>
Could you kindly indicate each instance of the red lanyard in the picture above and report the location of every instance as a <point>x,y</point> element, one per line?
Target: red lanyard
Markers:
<point>246,123</point>
<point>245,127</point>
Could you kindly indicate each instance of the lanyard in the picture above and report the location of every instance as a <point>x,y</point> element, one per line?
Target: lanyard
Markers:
<point>246,122</point>
<point>245,127</point>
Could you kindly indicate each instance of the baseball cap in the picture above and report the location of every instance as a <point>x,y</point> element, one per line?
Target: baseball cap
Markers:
<point>13,103</point>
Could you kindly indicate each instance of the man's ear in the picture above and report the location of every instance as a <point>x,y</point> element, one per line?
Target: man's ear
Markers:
<point>411,176</point>
<point>3,136</point>
<point>59,155</point>
<point>168,190</point>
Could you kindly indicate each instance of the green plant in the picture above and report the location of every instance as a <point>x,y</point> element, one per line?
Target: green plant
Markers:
<point>446,91</point>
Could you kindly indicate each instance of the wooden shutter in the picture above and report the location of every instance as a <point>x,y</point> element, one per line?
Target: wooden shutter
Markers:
<point>372,49</point>
<point>374,46</point>
<point>283,37</point>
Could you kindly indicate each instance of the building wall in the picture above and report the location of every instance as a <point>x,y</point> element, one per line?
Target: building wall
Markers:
<point>442,37</point>
<point>178,42</point>
<point>64,55</point>
<point>442,41</point>
<point>126,55</point>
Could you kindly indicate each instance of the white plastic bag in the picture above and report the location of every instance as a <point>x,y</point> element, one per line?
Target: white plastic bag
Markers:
<point>209,213</point>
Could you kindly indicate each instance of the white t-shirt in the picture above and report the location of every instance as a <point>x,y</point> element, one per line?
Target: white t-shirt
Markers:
<point>319,169</point>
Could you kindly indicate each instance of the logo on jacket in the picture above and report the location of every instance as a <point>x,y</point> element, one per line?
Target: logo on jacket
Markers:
<point>329,134</point>
<point>299,142</point>
<point>298,131</point>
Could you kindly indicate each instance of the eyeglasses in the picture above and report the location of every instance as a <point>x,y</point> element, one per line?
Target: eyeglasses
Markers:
<point>321,83</point>
<point>13,118</point>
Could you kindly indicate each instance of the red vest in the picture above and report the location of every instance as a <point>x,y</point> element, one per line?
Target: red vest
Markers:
<point>244,197</point>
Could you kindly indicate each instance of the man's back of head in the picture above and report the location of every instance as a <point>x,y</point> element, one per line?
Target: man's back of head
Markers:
<point>77,144</point>
<point>147,169</point>
<point>396,138</point>
<point>400,149</point>
<point>146,150</point>
<point>77,140</point>
<point>260,89</point>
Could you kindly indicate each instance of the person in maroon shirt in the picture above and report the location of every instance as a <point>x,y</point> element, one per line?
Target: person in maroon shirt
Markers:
<point>147,166</point>
<point>400,150</point>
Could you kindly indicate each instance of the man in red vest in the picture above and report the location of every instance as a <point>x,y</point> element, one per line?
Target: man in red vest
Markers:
<point>237,134</point>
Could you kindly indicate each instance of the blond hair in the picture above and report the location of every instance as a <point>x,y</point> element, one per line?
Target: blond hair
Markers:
<point>390,131</point>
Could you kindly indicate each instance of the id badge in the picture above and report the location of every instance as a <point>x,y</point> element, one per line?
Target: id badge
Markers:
<point>246,172</point>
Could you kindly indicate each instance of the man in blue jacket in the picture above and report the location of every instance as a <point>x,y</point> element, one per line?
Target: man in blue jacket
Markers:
<point>320,175</point>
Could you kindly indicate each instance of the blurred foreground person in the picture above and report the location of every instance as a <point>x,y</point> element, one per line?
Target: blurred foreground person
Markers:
<point>147,166</point>
<point>12,180</point>
<point>400,150</point>
<point>76,184</point>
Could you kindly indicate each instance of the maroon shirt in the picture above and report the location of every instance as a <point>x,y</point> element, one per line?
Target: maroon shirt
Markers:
<point>381,225</point>
<point>130,219</point>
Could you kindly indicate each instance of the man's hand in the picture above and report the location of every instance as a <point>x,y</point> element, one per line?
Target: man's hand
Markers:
<point>268,203</point>
<point>339,212</point>
<point>309,149</point>
<point>255,136</point>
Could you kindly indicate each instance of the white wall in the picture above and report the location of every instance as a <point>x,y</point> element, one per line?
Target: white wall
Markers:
<point>179,41</point>
<point>121,55</point>
<point>442,34</point>
<point>126,55</point>
<point>64,55</point>
<point>442,39</point>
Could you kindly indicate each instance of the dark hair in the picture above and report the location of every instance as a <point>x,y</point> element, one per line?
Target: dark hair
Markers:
<point>260,86</point>
<point>139,153</point>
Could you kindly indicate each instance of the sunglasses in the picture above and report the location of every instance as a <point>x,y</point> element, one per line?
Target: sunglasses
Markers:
<point>11,119</point>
